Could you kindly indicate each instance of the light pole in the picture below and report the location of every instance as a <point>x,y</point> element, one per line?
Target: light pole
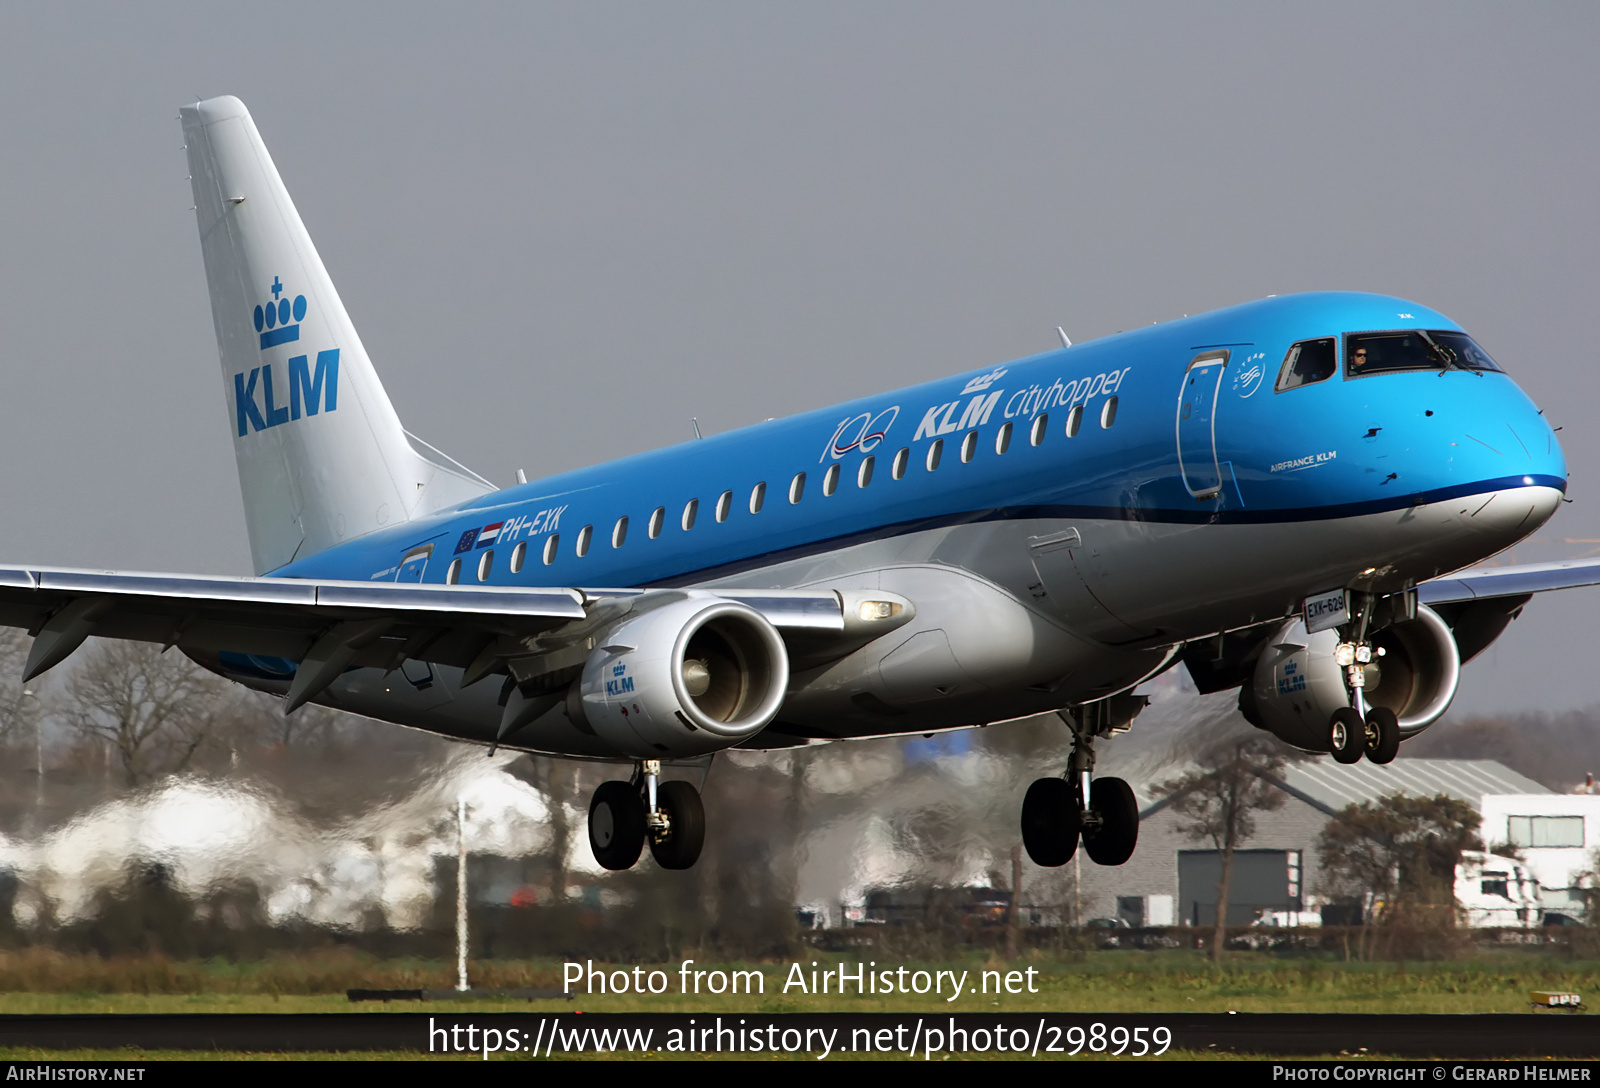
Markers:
<point>38,759</point>
<point>461,894</point>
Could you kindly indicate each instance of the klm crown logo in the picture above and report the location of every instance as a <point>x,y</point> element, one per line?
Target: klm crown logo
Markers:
<point>272,318</point>
<point>313,388</point>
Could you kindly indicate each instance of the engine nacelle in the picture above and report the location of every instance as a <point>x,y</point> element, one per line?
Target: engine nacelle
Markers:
<point>1297,685</point>
<point>691,677</point>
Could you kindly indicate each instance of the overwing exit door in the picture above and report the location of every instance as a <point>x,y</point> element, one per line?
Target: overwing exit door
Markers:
<point>1197,424</point>
<point>411,569</point>
<point>414,564</point>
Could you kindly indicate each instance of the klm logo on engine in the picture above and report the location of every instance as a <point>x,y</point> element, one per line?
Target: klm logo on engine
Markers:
<point>1291,679</point>
<point>311,390</point>
<point>619,684</point>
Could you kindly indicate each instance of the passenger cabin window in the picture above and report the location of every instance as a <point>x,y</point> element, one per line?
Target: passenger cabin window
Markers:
<point>1074,420</point>
<point>1369,353</point>
<point>584,536</point>
<point>797,488</point>
<point>551,544</point>
<point>830,480</point>
<point>518,555</point>
<point>935,452</point>
<point>1108,413</point>
<point>1002,440</point>
<point>897,468</point>
<point>485,565</point>
<point>452,574</point>
<point>690,509</point>
<point>758,495</point>
<point>724,504</point>
<point>1040,426</point>
<point>657,519</point>
<point>1308,361</point>
<point>864,473</point>
<point>969,447</point>
<point>619,532</point>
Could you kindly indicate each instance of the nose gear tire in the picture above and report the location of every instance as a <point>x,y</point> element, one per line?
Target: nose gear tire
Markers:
<point>1383,735</point>
<point>1347,735</point>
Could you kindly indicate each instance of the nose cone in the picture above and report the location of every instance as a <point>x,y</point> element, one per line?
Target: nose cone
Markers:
<point>1507,456</point>
<point>1511,513</point>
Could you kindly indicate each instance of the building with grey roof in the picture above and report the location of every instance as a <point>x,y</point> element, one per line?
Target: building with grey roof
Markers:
<point>1172,877</point>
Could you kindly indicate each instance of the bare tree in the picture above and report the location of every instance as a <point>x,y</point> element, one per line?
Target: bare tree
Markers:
<point>153,709</point>
<point>1218,801</point>
<point>256,718</point>
<point>19,709</point>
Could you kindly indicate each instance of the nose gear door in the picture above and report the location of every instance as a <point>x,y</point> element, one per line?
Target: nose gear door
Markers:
<point>1197,424</point>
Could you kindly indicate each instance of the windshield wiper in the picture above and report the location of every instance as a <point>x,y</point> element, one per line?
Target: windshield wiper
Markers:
<point>1445,356</point>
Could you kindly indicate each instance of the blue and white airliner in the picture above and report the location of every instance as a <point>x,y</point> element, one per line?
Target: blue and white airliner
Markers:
<point>1275,495</point>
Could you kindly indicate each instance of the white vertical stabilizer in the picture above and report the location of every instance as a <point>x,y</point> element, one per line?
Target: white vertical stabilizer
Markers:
<point>322,455</point>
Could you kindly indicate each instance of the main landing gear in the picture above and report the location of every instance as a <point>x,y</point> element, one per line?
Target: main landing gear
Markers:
<point>1058,812</point>
<point>1359,729</point>
<point>623,815</point>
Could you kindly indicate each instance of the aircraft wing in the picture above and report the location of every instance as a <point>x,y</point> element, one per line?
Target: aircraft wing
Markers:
<point>327,626</point>
<point>1517,581</point>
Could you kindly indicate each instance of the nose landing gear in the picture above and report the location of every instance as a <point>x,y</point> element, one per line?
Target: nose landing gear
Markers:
<point>1361,729</point>
<point>623,815</point>
<point>1055,815</point>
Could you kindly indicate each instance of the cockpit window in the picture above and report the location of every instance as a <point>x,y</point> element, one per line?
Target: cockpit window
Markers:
<point>1308,361</point>
<point>1464,349</point>
<point>1439,350</point>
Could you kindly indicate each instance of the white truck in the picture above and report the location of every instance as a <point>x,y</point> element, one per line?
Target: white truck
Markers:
<point>1496,891</point>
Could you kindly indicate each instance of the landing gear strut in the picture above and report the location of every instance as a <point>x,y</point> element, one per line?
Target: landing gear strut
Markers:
<point>1057,812</point>
<point>624,815</point>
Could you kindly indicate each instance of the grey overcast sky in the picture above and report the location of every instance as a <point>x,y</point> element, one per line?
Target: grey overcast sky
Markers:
<point>565,229</point>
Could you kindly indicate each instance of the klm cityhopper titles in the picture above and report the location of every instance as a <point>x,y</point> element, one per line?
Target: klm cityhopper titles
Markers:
<point>1274,495</point>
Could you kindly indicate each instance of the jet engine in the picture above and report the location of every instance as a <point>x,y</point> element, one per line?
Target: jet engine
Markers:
<point>1297,685</point>
<point>691,677</point>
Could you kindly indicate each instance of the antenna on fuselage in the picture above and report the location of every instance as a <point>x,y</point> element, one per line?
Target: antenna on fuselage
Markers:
<point>695,423</point>
<point>1065,342</point>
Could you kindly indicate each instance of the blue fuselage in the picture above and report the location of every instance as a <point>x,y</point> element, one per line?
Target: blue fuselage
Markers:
<point>1328,450</point>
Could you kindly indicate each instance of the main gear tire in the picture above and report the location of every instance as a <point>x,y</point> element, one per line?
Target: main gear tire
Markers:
<point>686,826</point>
<point>1113,842</point>
<point>1050,822</point>
<point>616,825</point>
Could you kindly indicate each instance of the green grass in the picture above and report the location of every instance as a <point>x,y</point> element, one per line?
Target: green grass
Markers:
<point>1101,982</point>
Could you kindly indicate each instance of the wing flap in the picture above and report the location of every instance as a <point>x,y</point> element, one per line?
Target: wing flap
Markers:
<point>278,617</point>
